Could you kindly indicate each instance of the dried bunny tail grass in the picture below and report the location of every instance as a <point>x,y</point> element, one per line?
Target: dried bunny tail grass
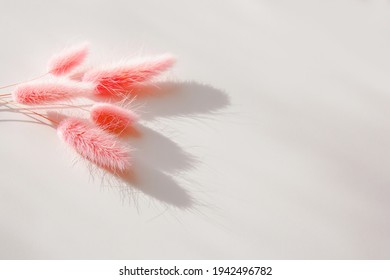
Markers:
<point>120,79</point>
<point>65,61</point>
<point>94,144</point>
<point>112,118</point>
<point>49,91</point>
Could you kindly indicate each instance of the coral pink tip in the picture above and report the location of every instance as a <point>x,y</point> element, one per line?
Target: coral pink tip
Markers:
<point>112,118</point>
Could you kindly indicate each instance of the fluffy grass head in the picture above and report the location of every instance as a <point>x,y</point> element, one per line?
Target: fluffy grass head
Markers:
<point>46,92</point>
<point>120,79</point>
<point>112,118</point>
<point>67,60</point>
<point>94,144</point>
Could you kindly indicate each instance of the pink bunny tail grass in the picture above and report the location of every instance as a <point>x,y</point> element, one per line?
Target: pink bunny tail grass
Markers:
<point>45,92</point>
<point>119,80</point>
<point>94,144</point>
<point>112,118</point>
<point>65,61</point>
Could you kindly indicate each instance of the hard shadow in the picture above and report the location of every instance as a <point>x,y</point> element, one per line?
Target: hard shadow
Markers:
<point>157,159</point>
<point>178,99</point>
<point>155,149</point>
<point>157,185</point>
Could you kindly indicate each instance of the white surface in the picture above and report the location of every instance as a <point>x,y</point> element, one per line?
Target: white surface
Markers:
<point>279,148</point>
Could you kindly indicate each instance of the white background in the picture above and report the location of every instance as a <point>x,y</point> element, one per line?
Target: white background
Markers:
<point>273,143</point>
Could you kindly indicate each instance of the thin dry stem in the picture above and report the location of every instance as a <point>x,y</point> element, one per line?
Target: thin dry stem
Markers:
<point>33,79</point>
<point>5,103</point>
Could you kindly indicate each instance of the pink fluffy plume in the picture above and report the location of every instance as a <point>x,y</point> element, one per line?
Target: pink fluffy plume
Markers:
<point>94,144</point>
<point>120,79</point>
<point>49,91</point>
<point>65,61</point>
<point>112,118</point>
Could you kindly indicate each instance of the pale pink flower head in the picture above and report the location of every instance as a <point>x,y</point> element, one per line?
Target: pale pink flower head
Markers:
<point>112,118</point>
<point>120,79</point>
<point>67,60</point>
<point>49,91</point>
<point>94,144</point>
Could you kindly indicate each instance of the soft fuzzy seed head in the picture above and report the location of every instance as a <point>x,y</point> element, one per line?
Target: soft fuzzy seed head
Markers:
<point>55,89</point>
<point>94,144</point>
<point>120,79</point>
<point>112,118</point>
<point>65,61</point>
